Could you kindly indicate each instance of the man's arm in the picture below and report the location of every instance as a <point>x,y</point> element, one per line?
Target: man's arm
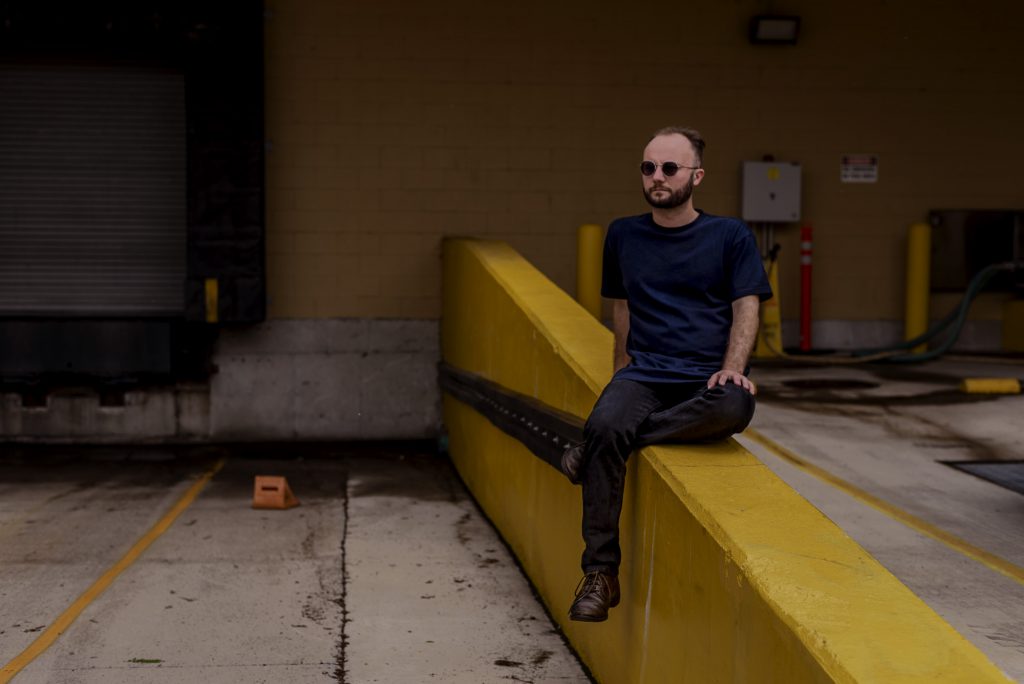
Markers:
<point>620,326</point>
<point>742,337</point>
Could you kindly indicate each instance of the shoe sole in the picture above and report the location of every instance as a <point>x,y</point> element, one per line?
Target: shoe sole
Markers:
<point>587,618</point>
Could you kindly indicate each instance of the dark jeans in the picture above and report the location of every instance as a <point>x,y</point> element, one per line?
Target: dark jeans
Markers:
<point>629,415</point>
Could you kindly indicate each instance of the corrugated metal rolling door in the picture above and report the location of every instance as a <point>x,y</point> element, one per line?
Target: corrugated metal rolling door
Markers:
<point>92,191</point>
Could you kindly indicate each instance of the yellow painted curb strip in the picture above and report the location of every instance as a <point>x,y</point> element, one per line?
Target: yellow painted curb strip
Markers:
<point>987,559</point>
<point>990,386</point>
<point>61,624</point>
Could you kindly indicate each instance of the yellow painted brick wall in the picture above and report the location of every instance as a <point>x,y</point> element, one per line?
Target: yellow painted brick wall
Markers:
<point>393,124</point>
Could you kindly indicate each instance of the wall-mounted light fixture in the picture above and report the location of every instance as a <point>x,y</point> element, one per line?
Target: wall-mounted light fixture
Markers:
<point>774,29</point>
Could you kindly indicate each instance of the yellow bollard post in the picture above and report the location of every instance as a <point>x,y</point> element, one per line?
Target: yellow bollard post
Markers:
<point>1013,325</point>
<point>590,247</point>
<point>769,335</point>
<point>919,245</point>
<point>212,295</point>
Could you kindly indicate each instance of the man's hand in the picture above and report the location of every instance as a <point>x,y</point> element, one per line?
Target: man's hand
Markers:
<point>724,376</point>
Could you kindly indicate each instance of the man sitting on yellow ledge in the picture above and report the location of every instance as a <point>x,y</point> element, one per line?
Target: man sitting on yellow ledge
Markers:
<point>686,287</point>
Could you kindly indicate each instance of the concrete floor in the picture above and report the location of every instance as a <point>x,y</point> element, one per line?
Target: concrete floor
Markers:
<point>890,440</point>
<point>387,572</point>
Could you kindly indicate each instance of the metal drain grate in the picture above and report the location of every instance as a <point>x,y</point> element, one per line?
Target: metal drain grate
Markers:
<point>1008,474</point>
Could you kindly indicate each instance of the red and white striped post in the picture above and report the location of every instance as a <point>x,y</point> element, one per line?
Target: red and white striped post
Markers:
<point>806,249</point>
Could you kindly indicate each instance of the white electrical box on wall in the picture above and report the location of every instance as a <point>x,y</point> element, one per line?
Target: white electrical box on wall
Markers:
<point>771,192</point>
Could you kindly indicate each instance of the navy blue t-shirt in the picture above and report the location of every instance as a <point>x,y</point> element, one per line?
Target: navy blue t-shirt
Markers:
<point>680,284</point>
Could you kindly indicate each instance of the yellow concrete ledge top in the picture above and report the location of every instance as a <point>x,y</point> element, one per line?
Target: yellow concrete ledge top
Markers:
<point>581,340</point>
<point>857,619</point>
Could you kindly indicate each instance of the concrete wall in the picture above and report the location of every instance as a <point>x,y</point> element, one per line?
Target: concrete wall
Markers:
<point>979,335</point>
<point>728,575</point>
<point>284,380</point>
<point>393,124</point>
<point>327,379</point>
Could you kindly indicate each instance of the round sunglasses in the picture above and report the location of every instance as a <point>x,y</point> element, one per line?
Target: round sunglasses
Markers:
<point>668,168</point>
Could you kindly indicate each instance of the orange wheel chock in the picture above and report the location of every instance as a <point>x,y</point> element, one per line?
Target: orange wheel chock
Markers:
<point>272,491</point>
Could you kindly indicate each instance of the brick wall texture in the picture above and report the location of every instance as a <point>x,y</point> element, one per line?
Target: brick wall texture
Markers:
<point>392,125</point>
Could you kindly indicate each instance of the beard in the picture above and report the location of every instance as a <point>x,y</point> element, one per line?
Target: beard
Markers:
<point>675,199</point>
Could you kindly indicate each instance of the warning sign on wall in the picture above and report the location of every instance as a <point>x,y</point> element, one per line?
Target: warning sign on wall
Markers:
<point>858,168</point>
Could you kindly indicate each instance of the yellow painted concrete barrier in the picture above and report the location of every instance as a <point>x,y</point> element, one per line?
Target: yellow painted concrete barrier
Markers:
<point>589,258</point>
<point>919,245</point>
<point>728,575</point>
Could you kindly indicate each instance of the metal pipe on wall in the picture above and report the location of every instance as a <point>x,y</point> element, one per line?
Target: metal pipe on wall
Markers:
<point>769,335</point>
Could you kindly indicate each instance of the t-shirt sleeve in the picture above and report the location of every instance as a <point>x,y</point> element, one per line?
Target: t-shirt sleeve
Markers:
<point>743,261</point>
<point>611,270</point>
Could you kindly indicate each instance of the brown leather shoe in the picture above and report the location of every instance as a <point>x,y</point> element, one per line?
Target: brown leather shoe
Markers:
<point>572,459</point>
<point>595,594</point>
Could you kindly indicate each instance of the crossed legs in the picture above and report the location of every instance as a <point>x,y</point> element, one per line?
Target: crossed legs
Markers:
<point>629,415</point>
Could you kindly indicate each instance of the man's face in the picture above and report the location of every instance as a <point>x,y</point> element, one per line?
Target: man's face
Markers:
<point>668,192</point>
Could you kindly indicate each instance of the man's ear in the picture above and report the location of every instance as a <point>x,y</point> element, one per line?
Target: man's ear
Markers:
<point>698,176</point>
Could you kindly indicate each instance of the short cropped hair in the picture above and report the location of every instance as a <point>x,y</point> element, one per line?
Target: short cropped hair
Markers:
<point>690,134</point>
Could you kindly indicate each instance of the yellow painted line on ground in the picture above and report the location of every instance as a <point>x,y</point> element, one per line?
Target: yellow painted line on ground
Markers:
<point>60,625</point>
<point>993,562</point>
